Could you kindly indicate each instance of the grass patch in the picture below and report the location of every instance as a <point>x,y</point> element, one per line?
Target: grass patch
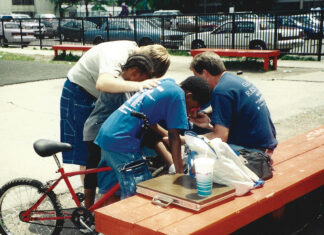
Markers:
<point>12,56</point>
<point>299,58</point>
<point>246,64</point>
<point>178,53</point>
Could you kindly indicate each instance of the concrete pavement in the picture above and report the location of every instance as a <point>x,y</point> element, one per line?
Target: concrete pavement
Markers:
<point>30,111</point>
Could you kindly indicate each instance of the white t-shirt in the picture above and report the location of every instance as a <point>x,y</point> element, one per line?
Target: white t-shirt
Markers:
<point>106,57</point>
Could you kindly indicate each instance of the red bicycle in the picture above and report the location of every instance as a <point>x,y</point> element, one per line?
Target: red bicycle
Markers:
<point>27,206</point>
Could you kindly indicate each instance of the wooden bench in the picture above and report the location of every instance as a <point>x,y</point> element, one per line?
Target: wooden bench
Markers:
<point>265,54</point>
<point>69,48</point>
<point>299,169</point>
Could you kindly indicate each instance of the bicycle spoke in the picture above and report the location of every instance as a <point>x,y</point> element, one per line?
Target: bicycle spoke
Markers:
<point>17,200</point>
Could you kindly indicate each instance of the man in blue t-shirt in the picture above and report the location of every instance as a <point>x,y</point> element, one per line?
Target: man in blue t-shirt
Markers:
<point>239,113</point>
<point>120,135</point>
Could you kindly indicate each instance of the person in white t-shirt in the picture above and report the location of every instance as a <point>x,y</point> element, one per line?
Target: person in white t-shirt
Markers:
<point>96,71</point>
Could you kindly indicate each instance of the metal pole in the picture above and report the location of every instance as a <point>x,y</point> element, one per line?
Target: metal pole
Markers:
<point>40,33</point>
<point>320,38</point>
<point>233,30</point>
<point>276,32</point>
<point>21,35</point>
<point>3,33</point>
<point>301,4</point>
<point>82,32</point>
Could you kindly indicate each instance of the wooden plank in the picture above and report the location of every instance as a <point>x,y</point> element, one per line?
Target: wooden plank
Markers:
<point>124,214</point>
<point>71,47</point>
<point>152,224</point>
<point>298,145</point>
<point>238,52</point>
<point>292,179</point>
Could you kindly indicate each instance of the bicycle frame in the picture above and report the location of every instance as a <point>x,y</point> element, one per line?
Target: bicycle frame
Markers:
<point>27,216</point>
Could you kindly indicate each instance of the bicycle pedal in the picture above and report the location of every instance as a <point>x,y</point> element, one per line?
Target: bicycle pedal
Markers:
<point>90,230</point>
<point>80,196</point>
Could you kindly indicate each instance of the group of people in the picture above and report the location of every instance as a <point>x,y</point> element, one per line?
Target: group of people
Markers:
<point>113,79</point>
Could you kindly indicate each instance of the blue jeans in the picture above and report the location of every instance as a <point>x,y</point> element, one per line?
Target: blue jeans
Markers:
<point>75,107</point>
<point>127,178</point>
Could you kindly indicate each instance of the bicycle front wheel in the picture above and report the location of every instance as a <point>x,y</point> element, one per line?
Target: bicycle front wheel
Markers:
<point>19,195</point>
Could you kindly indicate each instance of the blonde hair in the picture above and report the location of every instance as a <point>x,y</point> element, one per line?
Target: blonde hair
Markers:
<point>159,56</point>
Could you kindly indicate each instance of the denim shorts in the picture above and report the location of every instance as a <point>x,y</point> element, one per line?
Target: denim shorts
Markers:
<point>75,107</point>
<point>126,178</point>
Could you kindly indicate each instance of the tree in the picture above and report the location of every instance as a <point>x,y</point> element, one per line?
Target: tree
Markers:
<point>58,5</point>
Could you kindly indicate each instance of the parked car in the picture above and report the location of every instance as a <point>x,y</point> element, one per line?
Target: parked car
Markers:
<point>146,33</point>
<point>310,25</point>
<point>39,28</point>
<point>288,22</point>
<point>51,28</point>
<point>249,34</point>
<point>188,23</point>
<point>28,23</point>
<point>72,30</point>
<point>212,22</point>
<point>168,16</point>
<point>46,16</point>
<point>13,34</point>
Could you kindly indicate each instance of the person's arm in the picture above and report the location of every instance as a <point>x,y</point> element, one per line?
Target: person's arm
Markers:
<point>218,131</point>
<point>160,130</point>
<point>175,146</point>
<point>108,83</point>
<point>202,120</point>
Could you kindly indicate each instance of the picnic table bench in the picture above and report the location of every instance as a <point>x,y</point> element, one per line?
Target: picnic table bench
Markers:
<point>265,54</point>
<point>69,48</point>
<point>298,170</point>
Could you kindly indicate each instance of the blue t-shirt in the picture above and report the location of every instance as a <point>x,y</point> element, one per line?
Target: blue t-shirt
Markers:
<point>238,105</point>
<point>166,102</point>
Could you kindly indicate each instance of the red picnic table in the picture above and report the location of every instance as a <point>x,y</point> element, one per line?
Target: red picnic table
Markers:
<point>265,54</point>
<point>298,170</point>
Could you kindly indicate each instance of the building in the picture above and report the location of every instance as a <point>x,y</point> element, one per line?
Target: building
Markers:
<point>30,7</point>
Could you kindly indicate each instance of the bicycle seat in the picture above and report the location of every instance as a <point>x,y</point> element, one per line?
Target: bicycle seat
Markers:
<point>46,148</point>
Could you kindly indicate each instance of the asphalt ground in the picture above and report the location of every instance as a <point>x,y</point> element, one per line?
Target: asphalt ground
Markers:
<point>14,72</point>
<point>30,110</point>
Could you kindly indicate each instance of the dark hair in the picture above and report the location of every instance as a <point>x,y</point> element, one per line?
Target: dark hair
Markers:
<point>209,61</point>
<point>141,62</point>
<point>199,88</point>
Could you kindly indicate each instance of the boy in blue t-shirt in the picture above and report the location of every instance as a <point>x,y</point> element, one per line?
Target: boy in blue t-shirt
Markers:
<point>119,137</point>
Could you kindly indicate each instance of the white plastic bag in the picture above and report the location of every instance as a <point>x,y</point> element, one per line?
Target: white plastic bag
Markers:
<point>228,167</point>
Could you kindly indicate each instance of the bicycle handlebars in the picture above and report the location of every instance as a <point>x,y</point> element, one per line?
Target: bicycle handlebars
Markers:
<point>145,125</point>
<point>139,115</point>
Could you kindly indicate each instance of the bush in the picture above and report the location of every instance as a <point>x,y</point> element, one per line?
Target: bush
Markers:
<point>67,57</point>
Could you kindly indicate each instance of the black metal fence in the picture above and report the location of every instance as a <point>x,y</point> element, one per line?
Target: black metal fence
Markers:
<point>296,33</point>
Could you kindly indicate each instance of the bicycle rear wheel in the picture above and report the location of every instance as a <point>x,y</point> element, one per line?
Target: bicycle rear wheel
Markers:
<point>19,195</point>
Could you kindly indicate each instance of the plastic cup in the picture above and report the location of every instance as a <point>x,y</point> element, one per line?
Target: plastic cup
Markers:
<point>204,176</point>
